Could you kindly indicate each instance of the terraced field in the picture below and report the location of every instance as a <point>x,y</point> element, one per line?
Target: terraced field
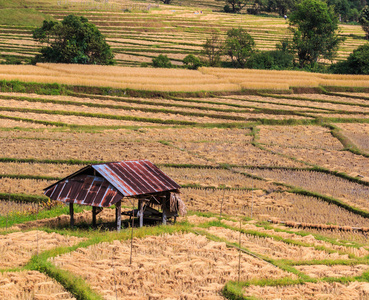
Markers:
<point>138,32</point>
<point>275,181</point>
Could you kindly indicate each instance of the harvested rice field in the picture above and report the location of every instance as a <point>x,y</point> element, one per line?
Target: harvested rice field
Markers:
<point>17,248</point>
<point>182,265</point>
<point>311,291</point>
<point>273,165</point>
<point>31,285</point>
<point>260,172</point>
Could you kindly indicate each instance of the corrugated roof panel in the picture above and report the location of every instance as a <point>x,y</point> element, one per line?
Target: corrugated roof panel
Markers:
<point>115,180</point>
<point>85,190</point>
<point>134,178</point>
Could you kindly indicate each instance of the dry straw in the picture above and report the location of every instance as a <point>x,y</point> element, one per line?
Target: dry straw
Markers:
<point>206,79</point>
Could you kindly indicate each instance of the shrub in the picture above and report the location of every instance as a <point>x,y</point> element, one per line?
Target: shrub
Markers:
<point>275,60</point>
<point>227,8</point>
<point>356,63</point>
<point>162,61</point>
<point>192,62</point>
<point>364,20</point>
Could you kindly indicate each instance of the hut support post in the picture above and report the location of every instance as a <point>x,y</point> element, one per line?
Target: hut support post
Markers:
<point>94,216</point>
<point>118,215</point>
<point>71,213</point>
<point>140,206</point>
<point>164,208</point>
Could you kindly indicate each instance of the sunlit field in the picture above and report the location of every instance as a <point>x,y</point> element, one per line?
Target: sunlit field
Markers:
<point>273,168</point>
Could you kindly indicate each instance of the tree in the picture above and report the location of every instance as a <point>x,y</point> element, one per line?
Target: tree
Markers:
<point>281,6</point>
<point>314,26</point>
<point>235,6</point>
<point>74,40</point>
<point>192,62</point>
<point>364,20</point>
<point>356,63</point>
<point>162,61</point>
<point>213,49</point>
<point>239,45</point>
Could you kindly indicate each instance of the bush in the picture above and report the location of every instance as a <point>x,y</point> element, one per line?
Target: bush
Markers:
<point>11,61</point>
<point>356,63</point>
<point>227,8</point>
<point>192,62</point>
<point>162,61</point>
<point>274,60</point>
<point>364,20</point>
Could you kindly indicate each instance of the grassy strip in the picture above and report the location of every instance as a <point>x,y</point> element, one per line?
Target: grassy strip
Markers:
<point>51,161</point>
<point>332,241</point>
<point>274,237</point>
<point>255,109</point>
<point>14,218</point>
<point>86,127</point>
<point>312,100</point>
<point>97,115</point>
<point>341,89</point>
<point>61,89</point>
<point>21,176</point>
<point>126,100</point>
<point>258,145</point>
<point>348,96</point>
<point>282,104</point>
<point>234,291</point>
<point>190,185</point>
<point>23,198</point>
<point>77,286</point>
<point>345,141</point>
<point>264,121</point>
<point>331,200</point>
<point>313,168</point>
<point>122,107</point>
<point>47,123</point>
<point>276,263</point>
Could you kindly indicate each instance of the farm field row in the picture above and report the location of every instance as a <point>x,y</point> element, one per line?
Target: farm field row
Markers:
<point>179,80</point>
<point>286,186</point>
<point>176,31</point>
<point>212,262</point>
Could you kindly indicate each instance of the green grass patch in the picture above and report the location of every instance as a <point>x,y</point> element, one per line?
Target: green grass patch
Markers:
<point>22,17</point>
<point>18,218</point>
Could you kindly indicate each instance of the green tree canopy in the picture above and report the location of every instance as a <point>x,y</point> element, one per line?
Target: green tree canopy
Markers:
<point>74,40</point>
<point>239,45</point>
<point>364,20</point>
<point>235,6</point>
<point>356,63</point>
<point>212,49</point>
<point>281,6</point>
<point>314,26</point>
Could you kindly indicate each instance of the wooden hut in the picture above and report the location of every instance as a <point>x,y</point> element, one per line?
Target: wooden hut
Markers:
<point>104,185</point>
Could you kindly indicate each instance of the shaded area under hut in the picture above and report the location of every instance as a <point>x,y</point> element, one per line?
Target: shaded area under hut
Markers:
<point>104,185</point>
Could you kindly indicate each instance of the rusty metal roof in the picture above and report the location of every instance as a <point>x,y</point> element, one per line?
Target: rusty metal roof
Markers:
<point>85,190</point>
<point>105,184</point>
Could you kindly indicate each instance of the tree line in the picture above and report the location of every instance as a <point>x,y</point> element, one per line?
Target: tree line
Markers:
<point>313,25</point>
<point>348,11</point>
